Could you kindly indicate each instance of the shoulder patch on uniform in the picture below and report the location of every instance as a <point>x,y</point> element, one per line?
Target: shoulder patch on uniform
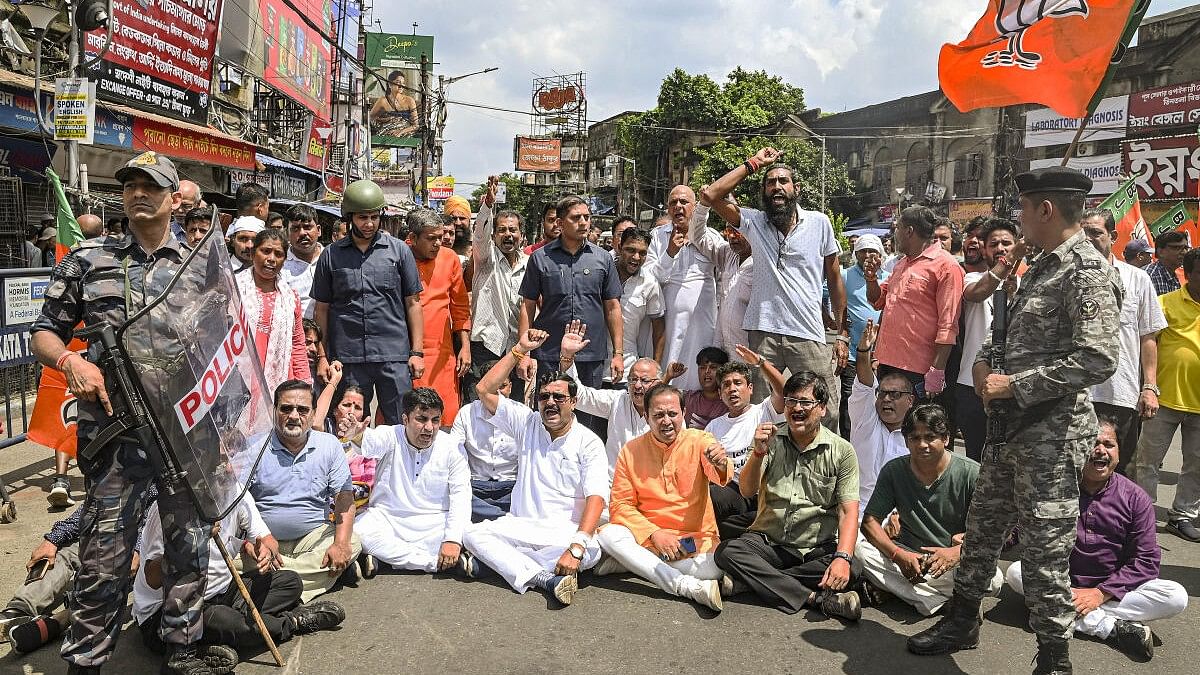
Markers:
<point>1090,264</point>
<point>1089,308</point>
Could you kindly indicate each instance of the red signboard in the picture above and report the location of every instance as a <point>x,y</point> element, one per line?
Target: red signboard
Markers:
<point>160,58</point>
<point>314,155</point>
<point>1168,106</point>
<point>1164,168</point>
<point>190,145</point>
<point>298,58</point>
<point>539,154</point>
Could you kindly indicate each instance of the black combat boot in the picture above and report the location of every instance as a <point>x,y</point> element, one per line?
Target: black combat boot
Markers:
<point>958,629</point>
<point>200,660</point>
<point>1052,657</point>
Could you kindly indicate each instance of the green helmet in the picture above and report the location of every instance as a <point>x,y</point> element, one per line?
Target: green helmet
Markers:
<point>362,195</point>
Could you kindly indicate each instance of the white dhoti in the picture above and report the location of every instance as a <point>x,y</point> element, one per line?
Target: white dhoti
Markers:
<point>398,543</point>
<point>519,548</point>
<point>1153,600</point>
<point>927,596</point>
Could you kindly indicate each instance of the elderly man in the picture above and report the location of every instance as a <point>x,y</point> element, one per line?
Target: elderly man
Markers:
<point>795,253</point>
<point>868,251</point>
<point>642,304</point>
<point>799,552</point>
<point>562,485</point>
<point>189,193</point>
<point>498,266</point>
<point>304,249</point>
<point>930,489</point>
<point>735,432</point>
<point>662,527</point>
<point>877,410</point>
<point>240,240</point>
<point>730,256</point>
<point>1114,566</point>
<point>688,282</point>
<point>90,225</point>
<point>1121,397</point>
<point>368,305</point>
<point>491,456</point>
<point>445,306</point>
<point>299,475</point>
<point>421,501</point>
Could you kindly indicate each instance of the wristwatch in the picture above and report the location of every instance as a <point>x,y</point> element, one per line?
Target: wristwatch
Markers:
<point>577,556</point>
<point>414,353</point>
<point>843,555</point>
<point>1151,387</point>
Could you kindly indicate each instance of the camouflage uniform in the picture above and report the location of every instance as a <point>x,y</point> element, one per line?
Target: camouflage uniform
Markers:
<point>96,283</point>
<point>1062,339</point>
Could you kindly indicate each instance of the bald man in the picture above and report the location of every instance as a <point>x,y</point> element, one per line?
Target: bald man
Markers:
<point>91,225</point>
<point>191,199</point>
<point>688,280</point>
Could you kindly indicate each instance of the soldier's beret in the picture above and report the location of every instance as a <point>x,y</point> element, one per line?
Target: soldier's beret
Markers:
<point>1053,179</point>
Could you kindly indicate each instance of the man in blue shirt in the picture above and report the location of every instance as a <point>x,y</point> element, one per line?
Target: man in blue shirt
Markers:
<point>367,302</point>
<point>858,311</point>
<point>301,472</point>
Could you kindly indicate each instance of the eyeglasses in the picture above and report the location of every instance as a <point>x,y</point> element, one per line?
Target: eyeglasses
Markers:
<point>546,396</point>
<point>289,409</point>
<point>893,394</point>
<point>641,380</point>
<point>802,404</point>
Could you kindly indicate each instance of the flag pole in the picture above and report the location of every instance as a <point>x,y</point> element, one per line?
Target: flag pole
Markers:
<point>241,586</point>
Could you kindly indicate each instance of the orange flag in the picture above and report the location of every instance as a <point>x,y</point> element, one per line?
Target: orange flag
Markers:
<point>1053,52</point>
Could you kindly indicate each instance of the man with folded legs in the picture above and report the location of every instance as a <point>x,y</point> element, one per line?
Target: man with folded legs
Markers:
<point>562,485</point>
<point>491,455</point>
<point>877,408</point>
<point>663,528</point>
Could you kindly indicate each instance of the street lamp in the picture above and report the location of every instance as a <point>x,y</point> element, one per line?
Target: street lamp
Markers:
<point>40,17</point>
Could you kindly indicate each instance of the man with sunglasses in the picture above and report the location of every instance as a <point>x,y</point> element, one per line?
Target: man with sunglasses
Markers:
<point>799,552</point>
<point>562,485</point>
<point>877,409</point>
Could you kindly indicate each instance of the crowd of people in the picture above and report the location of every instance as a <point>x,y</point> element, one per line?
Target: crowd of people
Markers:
<point>743,409</point>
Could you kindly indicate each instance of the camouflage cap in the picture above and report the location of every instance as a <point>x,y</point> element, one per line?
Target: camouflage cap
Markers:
<point>160,168</point>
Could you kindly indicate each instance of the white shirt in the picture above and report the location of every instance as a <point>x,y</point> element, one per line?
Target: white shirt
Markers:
<point>733,281</point>
<point>641,300</point>
<point>873,443</point>
<point>491,453</point>
<point>554,476</point>
<point>789,273</point>
<point>243,523</point>
<point>299,275</point>
<point>419,490</point>
<point>1141,315</point>
<point>976,325</point>
<point>736,434</point>
<point>495,283</point>
<point>690,292</point>
<point>624,422</point>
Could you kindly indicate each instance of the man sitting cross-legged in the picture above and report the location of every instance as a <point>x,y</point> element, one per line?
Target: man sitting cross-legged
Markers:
<point>1115,563</point>
<point>421,502</point>
<point>491,456</point>
<point>562,484</point>
<point>735,432</point>
<point>663,528</point>
<point>931,490</point>
<point>877,408</point>
<point>800,549</point>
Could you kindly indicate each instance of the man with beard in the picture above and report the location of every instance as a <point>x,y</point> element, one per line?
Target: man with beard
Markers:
<point>240,240</point>
<point>421,503</point>
<point>972,246</point>
<point>642,304</point>
<point>868,252</point>
<point>498,265</point>
<point>367,295</point>
<point>876,413</point>
<point>562,485</point>
<point>1115,563</point>
<point>624,410</point>
<point>446,309</point>
<point>1121,398</point>
<point>731,260</point>
<point>304,249</point>
<point>663,528</point>
<point>688,285</point>
<point>551,228</point>
<point>795,253</point>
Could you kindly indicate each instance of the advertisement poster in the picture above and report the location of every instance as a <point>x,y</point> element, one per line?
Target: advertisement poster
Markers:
<point>1104,170</point>
<point>1164,168</point>
<point>1163,107</point>
<point>298,59</point>
<point>539,154</point>
<point>74,110</point>
<point>1045,127</point>
<point>395,60</point>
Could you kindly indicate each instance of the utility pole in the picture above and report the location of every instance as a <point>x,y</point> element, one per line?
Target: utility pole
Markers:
<point>73,63</point>
<point>424,129</point>
<point>441,122</point>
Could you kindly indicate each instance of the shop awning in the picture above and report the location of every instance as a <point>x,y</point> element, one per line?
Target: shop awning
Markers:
<point>288,166</point>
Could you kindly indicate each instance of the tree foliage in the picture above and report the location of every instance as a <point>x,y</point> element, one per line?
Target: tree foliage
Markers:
<point>524,199</point>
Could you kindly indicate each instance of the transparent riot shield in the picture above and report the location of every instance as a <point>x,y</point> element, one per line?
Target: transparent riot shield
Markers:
<point>194,360</point>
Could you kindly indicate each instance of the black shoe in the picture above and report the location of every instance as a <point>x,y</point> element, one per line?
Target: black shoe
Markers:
<point>1052,657</point>
<point>1135,639</point>
<point>10,617</point>
<point>34,633</point>
<point>317,615</point>
<point>368,566</point>
<point>958,629</point>
<point>1184,529</point>
<point>200,660</point>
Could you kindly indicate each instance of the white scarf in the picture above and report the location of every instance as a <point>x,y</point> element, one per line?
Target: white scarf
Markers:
<point>277,364</point>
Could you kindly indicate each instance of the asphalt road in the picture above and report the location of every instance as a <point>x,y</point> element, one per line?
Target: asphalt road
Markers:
<point>415,623</point>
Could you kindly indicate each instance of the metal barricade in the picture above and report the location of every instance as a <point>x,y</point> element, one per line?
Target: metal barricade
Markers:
<point>22,291</point>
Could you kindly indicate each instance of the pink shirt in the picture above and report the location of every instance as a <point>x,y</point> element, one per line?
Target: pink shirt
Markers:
<point>921,303</point>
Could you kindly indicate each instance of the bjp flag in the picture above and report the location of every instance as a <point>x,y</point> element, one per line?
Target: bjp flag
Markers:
<point>1053,52</point>
<point>52,423</point>
<point>1127,211</point>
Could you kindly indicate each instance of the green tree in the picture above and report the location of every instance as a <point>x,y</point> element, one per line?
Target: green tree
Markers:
<point>525,199</point>
<point>758,99</point>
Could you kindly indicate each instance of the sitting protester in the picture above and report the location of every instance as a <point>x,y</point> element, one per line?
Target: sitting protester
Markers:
<point>663,528</point>
<point>877,411</point>
<point>930,488</point>
<point>1115,563</point>
<point>702,405</point>
<point>422,502</point>
<point>491,456</point>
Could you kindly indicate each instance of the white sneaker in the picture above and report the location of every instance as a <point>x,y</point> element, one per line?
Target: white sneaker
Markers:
<point>707,592</point>
<point>608,565</point>
<point>60,493</point>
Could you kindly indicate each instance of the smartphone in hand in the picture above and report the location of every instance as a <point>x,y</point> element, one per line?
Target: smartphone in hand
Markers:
<point>37,571</point>
<point>688,544</point>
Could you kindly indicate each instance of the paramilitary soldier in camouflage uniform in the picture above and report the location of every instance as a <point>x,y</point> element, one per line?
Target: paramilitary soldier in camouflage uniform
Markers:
<point>1062,339</point>
<point>104,281</point>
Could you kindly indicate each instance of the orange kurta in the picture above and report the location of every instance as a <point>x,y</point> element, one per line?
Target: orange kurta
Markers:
<point>658,487</point>
<point>447,308</point>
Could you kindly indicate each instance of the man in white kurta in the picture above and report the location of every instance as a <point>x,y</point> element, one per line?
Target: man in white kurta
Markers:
<point>562,483</point>
<point>734,267</point>
<point>421,502</point>
<point>688,280</point>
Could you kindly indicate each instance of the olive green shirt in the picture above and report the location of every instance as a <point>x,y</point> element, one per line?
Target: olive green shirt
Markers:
<point>801,489</point>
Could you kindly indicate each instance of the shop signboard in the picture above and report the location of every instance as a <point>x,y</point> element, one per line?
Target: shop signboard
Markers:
<point>1161,107</point>
<point>539,154</point>
<point>195,146</point>
<point>1104,170</point>
<point>18,111</point>
<point>1045,127</point>
<point>1164,168</point>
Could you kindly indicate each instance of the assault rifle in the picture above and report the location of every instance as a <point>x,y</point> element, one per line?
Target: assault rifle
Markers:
<point>997,425</point>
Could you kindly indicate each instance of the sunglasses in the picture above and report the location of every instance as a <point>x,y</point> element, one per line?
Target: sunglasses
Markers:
<point>893,394</point>
<point>289,409</point>
<point>546,396</point>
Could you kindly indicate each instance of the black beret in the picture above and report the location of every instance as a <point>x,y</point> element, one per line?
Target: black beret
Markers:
<point>1053,179</point>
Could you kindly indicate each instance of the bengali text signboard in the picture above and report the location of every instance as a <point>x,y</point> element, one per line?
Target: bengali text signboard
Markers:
<point>1164,168</point>
<point>1162,107</point>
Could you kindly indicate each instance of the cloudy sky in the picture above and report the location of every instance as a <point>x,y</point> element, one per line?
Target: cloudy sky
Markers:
<point>843,53</point>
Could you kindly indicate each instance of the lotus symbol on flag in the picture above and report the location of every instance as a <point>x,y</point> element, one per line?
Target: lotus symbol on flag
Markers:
<point>1014,17</point>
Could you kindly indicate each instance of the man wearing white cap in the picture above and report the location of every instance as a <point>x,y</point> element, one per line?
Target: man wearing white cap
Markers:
<point>858,311</point>
<point>240,238</point>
